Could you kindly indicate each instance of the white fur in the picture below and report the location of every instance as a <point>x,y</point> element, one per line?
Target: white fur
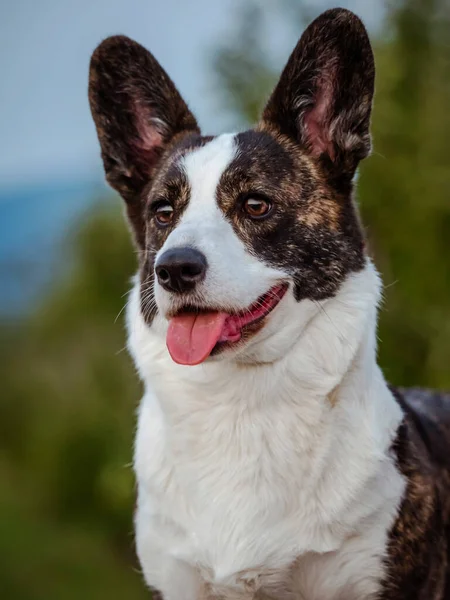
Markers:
<point>234,278</point>
<point>273,454</point>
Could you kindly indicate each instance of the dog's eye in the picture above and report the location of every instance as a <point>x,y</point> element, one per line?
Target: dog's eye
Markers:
<point>164,213</point>
<point>257,208</point>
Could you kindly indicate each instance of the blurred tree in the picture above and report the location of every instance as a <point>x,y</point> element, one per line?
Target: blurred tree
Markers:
<point>66,427</point>
<point>404,192</point>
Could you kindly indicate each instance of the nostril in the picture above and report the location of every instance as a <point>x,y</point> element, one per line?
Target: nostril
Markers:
<point>191,271</point>
<point>163,275</point>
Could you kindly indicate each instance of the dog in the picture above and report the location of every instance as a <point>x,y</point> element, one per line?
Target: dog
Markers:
<point>272,458</point>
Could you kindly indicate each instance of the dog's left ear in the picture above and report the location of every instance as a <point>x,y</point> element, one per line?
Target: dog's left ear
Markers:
<point>324,97</point>
<point>138,113</point>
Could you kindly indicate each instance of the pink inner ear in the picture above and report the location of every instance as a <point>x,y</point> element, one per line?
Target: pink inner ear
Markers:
<point>316,121</point>
<point>151,135</point>
<point>149,128</point>
<point>150,132</point>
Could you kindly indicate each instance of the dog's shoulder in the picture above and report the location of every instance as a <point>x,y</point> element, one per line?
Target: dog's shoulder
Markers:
<point>430,412</point>
<point>417,549</point>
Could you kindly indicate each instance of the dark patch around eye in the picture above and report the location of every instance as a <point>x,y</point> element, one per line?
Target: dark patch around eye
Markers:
<point>313,232</point>
<point>170,184</point>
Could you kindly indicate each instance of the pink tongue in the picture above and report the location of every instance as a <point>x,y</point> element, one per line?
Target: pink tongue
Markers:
<point>191,337</point>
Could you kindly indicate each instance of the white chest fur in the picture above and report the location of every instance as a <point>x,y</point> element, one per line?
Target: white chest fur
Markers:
<point>244,471</point>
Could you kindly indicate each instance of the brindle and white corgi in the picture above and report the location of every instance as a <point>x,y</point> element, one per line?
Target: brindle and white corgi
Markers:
<point>272,458</point>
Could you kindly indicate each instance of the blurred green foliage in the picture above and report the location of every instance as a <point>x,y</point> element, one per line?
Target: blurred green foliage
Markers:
<point>69,391</point>
<point>69,395</point>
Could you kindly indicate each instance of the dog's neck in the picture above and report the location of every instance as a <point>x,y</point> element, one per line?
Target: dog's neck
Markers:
<point>326,357</point>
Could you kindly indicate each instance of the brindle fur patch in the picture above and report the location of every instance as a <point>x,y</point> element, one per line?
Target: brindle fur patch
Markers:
<point>170,184</point>
<point>138,114</point>
<point>313,232</point>
<point>418,553</point>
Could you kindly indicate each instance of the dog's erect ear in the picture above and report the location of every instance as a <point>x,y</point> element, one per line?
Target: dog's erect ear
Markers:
<point>137,112</point>
<point>324,97</point>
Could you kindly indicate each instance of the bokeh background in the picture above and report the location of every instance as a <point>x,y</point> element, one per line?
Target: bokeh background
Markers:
<point>68,389</point>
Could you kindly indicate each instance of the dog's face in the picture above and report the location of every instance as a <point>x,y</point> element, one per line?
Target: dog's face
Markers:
<point>237,232</point>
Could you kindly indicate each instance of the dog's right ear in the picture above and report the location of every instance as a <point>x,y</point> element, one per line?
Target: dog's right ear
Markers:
<point>323,100</point>
<point>137,112</point>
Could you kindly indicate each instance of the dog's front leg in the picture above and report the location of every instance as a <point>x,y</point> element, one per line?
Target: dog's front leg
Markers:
<point>204,593</point>
<point>170,578</point>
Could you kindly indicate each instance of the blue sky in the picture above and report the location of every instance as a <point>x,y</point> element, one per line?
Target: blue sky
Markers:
<point>45,45</point>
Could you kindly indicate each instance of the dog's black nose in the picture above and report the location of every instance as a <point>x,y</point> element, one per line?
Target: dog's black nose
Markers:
<point>180,269</point>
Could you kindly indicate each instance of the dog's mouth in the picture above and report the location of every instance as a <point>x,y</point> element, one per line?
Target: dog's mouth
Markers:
<point>194,335</point>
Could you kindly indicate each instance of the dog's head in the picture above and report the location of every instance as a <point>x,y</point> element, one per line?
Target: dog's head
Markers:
<point>228,227</point>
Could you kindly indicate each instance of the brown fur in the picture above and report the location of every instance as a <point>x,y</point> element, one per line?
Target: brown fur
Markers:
<point>314,231</point>
<point>138,113</point>
<point>418,551</point>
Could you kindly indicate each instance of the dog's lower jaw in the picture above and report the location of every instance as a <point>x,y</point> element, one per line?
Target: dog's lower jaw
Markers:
<point>243,473</point>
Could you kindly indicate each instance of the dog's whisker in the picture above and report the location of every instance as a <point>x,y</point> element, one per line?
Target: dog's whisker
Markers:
<point>120,312</point>
<point>124,306</point>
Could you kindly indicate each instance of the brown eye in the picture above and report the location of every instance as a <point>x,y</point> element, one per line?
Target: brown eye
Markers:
<point>164,213</point>
<point>257,208</point>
